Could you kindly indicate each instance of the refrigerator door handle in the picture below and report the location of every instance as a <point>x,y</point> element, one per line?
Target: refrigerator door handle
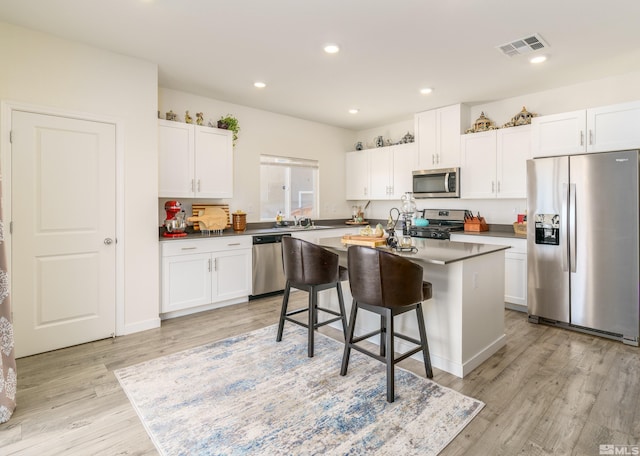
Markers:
<point>572,227</point>
<point>564,226</point>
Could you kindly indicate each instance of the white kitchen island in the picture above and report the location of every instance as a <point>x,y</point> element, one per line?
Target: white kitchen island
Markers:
<point>465,317</point>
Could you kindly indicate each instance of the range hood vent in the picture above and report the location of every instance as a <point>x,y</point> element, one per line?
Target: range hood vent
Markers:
<point>522,46</point>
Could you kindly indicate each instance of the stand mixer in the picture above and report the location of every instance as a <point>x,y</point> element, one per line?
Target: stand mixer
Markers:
<point>174,224</point>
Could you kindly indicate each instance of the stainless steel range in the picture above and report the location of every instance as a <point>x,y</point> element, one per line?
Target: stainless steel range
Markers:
<point>441,223</point>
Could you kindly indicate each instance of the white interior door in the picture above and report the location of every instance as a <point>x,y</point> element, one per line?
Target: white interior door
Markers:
<point>63,262</point>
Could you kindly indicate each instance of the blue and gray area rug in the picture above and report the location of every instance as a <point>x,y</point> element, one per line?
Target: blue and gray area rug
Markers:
<point>249,395</point>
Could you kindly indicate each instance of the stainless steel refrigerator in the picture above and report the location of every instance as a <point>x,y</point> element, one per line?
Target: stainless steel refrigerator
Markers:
<point>582,243</point>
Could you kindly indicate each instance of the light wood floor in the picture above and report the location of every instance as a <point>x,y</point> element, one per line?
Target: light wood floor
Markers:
<point>549,391</point>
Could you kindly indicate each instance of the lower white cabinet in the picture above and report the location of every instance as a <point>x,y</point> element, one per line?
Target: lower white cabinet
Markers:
<point>515,266</point>
<point>201,274</point>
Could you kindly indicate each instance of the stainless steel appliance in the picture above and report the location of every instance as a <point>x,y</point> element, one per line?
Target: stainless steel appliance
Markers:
<point>441,223</point>
<point>436,183</point>
<point>267,270</point>
<point>582,243</point>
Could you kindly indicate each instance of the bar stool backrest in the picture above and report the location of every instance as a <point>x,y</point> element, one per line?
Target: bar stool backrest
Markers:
<point>307,263</point>
<point>383,279</point>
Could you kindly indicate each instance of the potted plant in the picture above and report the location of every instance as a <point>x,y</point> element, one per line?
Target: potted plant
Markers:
<point>230,123</point>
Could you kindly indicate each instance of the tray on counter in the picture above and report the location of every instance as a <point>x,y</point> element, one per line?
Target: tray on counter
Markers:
<point>351,222</point>
<point>368,241</point>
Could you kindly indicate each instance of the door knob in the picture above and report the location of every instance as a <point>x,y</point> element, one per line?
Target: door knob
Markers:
<point>108,241</point>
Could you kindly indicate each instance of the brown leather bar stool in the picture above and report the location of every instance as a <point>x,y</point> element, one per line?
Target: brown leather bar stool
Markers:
<point>388,285</point>
<point>311,268</point>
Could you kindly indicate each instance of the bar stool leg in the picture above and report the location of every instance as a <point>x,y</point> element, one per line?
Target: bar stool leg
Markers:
<point>313,317</point>
<point>283,311</point>
<point>383,335</point>
<point>343,313</point>
<point>349,340</point>
<point>423,341</point>
<point>389,346</point>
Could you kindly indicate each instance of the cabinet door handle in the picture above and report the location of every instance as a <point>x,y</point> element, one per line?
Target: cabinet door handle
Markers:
<point>233,243</point>
<point>498,186</point>
<point>215,264</point>
<point>433,159</point>
<point>581,138</point>
<point>188,248</point>
<point>493,187</point>
<point>590,137</point>
<point>209,264</point>
<point>193,185</point>
<point>198,185</point>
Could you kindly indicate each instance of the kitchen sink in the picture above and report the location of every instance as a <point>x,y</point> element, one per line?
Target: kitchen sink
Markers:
<point>300,228</point>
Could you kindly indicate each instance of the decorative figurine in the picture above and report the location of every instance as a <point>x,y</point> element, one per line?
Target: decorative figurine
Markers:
<point>199,118</point>
<point>187,118</point>
<point>522,118</point>
<point>408,138</point>
<point>171,116</point>
<point>359,145</point>
<point>379,141</point>
<point>482,124</point>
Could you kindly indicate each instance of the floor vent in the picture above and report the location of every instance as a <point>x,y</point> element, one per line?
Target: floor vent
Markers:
<point>523,46</point>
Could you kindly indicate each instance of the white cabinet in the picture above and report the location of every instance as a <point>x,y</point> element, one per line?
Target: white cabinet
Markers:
<point>194,161</point>
<point>438,136</point>
<point>601,129</point>
<point>382,173</point>
<point>200,274</point>
<point>494,163</point>
<point>515,266</point>
<point>357,175</point>
<point>391,171</point>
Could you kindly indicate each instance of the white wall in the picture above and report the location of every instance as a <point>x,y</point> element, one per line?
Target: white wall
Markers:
<point>263,132</point>
<point>43,70</point>
<point>602,92</point>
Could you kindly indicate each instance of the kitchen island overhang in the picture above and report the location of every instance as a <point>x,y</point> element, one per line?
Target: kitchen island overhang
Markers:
<point>465,317</point>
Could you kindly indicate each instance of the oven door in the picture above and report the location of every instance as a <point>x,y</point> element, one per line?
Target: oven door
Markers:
<point>436,183</point>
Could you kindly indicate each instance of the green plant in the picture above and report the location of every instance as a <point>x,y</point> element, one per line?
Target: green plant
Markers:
<point>229,122</point>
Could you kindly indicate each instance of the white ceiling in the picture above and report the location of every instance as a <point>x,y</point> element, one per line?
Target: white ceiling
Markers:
<point>390,49</point>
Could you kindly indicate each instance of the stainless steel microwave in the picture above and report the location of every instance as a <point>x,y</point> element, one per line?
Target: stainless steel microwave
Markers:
<point>436,183</point>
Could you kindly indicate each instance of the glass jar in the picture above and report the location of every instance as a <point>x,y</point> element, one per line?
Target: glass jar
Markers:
<point>408,203</point>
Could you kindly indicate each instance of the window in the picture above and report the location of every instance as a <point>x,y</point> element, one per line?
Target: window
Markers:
<point>288,185</point>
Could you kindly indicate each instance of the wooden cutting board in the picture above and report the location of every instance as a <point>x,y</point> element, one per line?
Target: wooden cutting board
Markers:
<point>213,218</point>
<point>198,209</point>
<point>368,241</point>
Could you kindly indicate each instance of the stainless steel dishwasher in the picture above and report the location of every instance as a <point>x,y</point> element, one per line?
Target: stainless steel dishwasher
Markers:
<point>267,271</point>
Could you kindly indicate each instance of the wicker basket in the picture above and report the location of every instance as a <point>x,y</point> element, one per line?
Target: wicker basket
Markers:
<point>520,228</point>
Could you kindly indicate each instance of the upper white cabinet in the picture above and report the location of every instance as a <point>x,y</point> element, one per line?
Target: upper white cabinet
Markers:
<point>602,129</point>
<point>391,170</point>
<point>357,167</point>
<point>381,173</point>
<point>438,136</point>
<point>494,163</point>
<point>513,149</point>
<point>194,161</point>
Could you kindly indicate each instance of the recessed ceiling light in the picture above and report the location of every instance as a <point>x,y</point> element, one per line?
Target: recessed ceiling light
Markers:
<point>259,85</point>
<point>331,48</point>
<point>426,91</point>
<point>354,111</point>
<point>538,59</point>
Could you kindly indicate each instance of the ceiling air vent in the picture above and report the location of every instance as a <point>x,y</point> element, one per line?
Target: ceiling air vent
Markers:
<point>523,46</point>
